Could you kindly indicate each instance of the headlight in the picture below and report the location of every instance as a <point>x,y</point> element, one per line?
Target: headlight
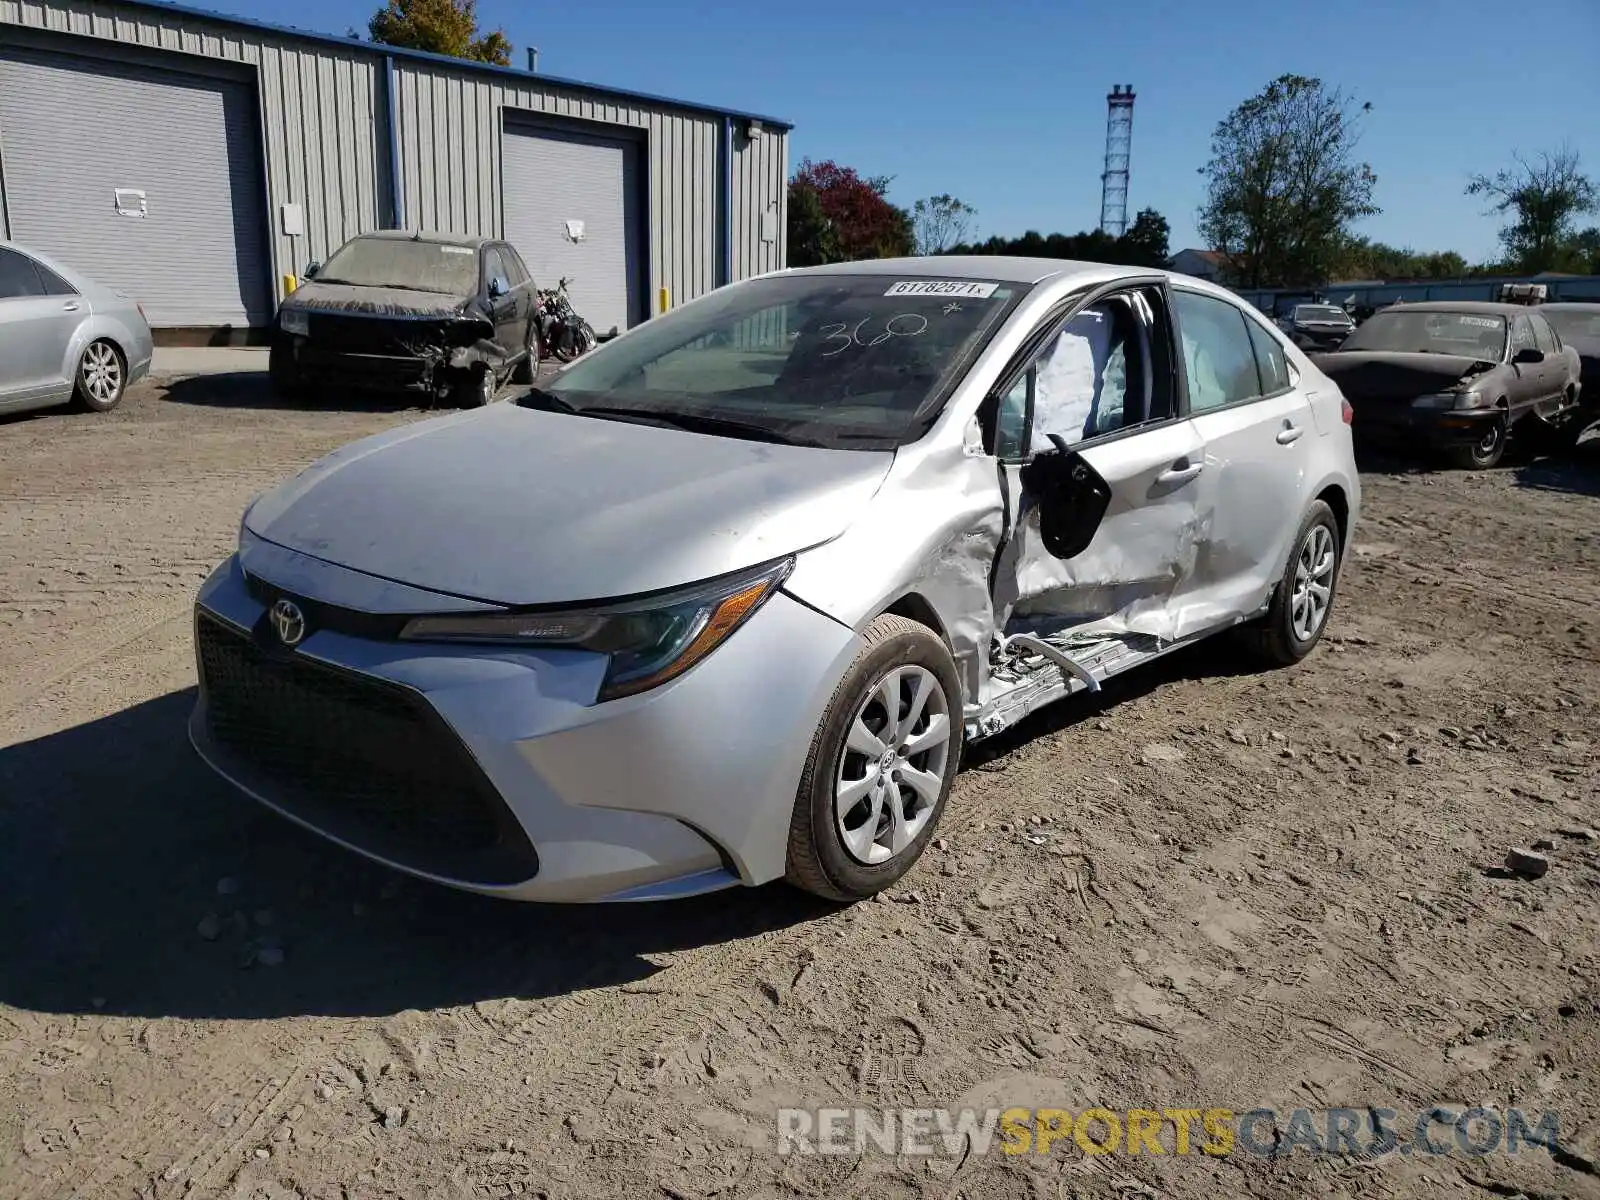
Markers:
<point>1456,400</point>
<point>648,641</point>
<point>294,320</point>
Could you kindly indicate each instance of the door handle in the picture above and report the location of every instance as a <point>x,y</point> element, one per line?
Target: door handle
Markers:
<point>70,306</point>
<point>1289,434</point>
<point>1180,472</point>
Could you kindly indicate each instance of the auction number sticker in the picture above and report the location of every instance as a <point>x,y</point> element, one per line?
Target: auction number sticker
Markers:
<point>458,249</point>
<point>964,288</point>
<point>1482,322</point>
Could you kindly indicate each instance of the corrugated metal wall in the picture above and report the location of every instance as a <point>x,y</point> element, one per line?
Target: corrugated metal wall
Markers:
<point>760,183</point>
<point>325,136</point>
<point>318,110</point>
<point>450,172</point>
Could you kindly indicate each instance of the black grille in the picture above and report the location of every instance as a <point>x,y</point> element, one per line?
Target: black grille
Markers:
<point>380,627</point>
<point>368,762</point>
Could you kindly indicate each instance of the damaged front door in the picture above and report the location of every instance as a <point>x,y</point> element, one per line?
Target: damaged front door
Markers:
<point>1101,472</point>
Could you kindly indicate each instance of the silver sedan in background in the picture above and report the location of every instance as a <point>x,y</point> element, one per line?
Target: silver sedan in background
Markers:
<point>64,337</point>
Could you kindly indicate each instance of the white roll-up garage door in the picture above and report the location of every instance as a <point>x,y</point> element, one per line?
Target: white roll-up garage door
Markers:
<point>145,180</point>
<point>572,209</point>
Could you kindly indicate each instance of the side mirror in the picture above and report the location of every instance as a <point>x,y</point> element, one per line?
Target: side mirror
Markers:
<point>1528,354</point>
<point>1071,496</point>
<point>311,270</point>
<point>496,289</point>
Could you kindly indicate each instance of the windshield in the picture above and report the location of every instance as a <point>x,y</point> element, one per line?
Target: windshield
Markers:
<point>1419,331</point>
<point>402,263</point>
<point>839,360</point>
<point>1575,323</point>
<point>1321,312</point>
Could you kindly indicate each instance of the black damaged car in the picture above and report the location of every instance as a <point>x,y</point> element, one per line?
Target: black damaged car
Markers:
<point>448,316</point>
<point>1456,377</point>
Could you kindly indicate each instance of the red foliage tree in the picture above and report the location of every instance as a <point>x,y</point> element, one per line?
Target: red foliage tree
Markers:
<point>862,223</point>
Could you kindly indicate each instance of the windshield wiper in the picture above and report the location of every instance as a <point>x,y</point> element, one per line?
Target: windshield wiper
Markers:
<point>548,401</point>
<point>696,423</point>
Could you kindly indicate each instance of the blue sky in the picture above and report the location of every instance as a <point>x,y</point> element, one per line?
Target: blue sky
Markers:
<point>1002,102</point>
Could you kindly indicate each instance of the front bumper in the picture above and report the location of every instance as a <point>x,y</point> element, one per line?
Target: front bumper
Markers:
<point>541,794</point>
<point>1433,427</point>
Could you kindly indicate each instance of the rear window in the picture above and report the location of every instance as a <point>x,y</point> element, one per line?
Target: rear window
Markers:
<point>1321,312</point>
<point>1575,323</point>
<point>858,361</point>
<point>402,263</point>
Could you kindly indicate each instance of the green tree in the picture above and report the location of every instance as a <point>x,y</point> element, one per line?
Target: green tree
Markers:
<point>812,239</point>
<point>1283,185</point>
<point>1362,258</point>
<point>940,222</point>
<point>1146,242</point>
<point>1543,200</point>
<point>440,27</point>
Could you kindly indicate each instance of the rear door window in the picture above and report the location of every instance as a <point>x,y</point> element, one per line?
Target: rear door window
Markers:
<point>18,276</point>
<point>1271,363</point>
<point>1543,336</point>
<point>1217,354</point>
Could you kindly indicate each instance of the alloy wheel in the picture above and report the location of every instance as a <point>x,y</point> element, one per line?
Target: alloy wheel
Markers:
<point>101,372</point>
<point>892,771</point>
<point>1313,583</point>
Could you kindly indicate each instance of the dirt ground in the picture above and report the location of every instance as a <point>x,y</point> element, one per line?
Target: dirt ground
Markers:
<point>1210,889</point>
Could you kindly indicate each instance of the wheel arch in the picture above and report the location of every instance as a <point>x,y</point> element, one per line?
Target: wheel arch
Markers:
<point>1334,496</point>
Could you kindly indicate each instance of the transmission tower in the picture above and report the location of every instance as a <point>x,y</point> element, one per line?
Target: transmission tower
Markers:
<point>1119,146</point>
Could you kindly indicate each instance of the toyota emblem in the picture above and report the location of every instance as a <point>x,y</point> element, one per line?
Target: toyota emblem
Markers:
<point>288,622</point>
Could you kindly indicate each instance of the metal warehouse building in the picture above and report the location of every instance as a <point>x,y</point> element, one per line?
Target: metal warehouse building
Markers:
<point>194,160</point>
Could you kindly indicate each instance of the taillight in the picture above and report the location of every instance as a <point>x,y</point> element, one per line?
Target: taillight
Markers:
<point>1345,411</point>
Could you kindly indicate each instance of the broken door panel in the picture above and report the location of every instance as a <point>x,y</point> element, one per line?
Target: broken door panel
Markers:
<point>1140,563</point>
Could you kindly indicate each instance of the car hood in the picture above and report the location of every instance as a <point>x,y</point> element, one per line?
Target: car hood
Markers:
<point>522,507</point>
<point>1380,374</point>
<point>312,296</point>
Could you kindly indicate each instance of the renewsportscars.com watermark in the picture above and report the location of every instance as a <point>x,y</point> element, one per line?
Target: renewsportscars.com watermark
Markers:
<point>1216,1132</point>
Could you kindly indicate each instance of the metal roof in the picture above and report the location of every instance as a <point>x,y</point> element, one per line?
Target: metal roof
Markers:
<point>1003,268</point>
<point>1490,308</point>
<point>445,60</point>
<point>429,235</point>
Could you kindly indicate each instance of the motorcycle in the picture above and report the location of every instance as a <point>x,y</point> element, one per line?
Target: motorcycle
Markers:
<point>562,332</point>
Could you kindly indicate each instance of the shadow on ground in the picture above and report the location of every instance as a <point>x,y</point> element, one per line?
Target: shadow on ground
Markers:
<point>114,838</point>
<point>1578,475</point>
<point>251,389</point>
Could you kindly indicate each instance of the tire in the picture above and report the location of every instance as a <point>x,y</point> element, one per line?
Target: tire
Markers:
<point>476,389</point>
<point>1278,639</point>
<point>284,379</point>
<point>527,369</point>
<point>1481,455</point>
<point>101,377</point>
<point>576,341</point>
<point>851,856</point>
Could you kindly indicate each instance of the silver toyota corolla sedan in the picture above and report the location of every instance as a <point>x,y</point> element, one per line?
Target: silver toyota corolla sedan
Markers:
<point>724,602</point>
<point>64,337</point>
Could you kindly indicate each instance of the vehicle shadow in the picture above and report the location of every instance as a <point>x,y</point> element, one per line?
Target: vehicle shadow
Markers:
<point>251,389</point>
<point>1211,658</point>
<point>1578,475</point>
<point>140,884</point>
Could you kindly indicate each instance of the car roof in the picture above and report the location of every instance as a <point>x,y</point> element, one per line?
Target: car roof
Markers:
<point>1572,305</point>
<point>1488,308</point>
<point>427,235</point>
<point>993,267</point>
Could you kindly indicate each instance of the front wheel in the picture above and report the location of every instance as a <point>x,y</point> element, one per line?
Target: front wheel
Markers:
<point>1295,620</point>
<point>1484,453</point>
<point>575,341</point>
<point>101,378</point>
<point>881,765</point>
<point>475,390</point>
<point>527,370</point>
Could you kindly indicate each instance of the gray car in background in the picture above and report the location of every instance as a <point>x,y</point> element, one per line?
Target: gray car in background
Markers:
<point>64,337</point>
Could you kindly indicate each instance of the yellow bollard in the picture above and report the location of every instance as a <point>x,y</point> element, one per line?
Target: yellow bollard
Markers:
<point>665,299</point>
<point>289,284</point>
